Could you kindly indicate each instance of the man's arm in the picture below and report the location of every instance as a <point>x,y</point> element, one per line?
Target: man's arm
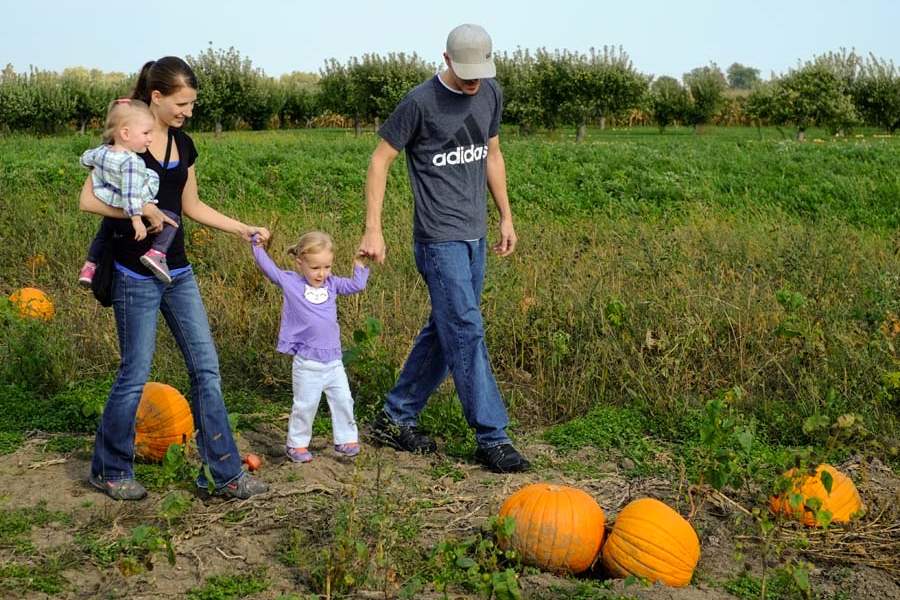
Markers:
<point>372,242</point>
<point>496,180</point>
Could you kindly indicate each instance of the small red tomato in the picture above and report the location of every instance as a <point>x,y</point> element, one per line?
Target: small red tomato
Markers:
<point>253,462</point>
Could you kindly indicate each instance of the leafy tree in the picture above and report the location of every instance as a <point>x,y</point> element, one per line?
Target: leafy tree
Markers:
<point>34,101</point>
<point>876,94</point>
<point>300,98</point>
<point>369,88</point>
<point>812,95</point>
<point>760,106</point>
<point>706,86</point>
<point>224,78</point>
<point>521,93</point>
<point>576,88</point>
<point>668,102</point>
<point>263,100</point>
<point>91,92</point>
<point>741,77</point>
<point>334,88</point>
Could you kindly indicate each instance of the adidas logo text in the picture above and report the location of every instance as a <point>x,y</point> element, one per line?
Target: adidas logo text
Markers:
<point>460,155</point>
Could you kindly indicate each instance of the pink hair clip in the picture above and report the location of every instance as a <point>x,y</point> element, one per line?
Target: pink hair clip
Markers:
<point>123,101</point>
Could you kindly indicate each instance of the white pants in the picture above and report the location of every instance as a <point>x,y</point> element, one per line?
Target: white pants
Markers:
<point>310,379</point>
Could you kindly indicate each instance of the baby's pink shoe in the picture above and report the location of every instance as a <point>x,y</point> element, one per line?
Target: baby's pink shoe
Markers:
<point>86,274</point>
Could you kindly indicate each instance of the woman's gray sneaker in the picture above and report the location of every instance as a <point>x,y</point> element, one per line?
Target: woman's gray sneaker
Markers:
<point>122,489</point>
<point>244,487</point>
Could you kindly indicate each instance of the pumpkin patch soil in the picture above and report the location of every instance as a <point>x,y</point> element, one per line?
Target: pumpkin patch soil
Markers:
<point>441,498</point>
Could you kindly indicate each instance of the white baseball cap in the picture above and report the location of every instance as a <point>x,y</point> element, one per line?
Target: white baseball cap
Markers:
<point>470,51</point>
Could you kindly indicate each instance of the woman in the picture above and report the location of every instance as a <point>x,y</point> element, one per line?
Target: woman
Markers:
<point>169,87</point>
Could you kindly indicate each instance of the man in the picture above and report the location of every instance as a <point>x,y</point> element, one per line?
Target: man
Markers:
<point>449,128</point>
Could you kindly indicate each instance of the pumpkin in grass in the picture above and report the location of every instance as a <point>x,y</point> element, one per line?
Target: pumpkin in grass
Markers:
<point>843,501</point>
<point>650,540</point>
<point>557,528</point>
<point>163,418</point>
<point>33,303</point>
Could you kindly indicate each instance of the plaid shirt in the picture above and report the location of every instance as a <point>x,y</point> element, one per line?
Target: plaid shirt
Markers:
<point>121,179</point>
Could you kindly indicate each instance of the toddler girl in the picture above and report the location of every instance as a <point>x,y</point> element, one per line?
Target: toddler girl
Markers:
<point>121,179</point>
<point>310,332</point>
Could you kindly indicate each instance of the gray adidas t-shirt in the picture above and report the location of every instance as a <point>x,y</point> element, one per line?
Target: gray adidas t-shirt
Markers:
<point>445,136</point>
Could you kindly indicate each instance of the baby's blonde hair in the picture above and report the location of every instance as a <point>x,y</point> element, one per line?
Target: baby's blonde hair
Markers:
<point>119,113</point>
<point>312,242</point>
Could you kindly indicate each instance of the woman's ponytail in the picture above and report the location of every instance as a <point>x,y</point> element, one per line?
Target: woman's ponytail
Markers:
<point>141,87</point>
<point>166,76</point>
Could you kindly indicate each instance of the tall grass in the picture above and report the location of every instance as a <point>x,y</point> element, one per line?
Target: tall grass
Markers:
<point>652,270</point>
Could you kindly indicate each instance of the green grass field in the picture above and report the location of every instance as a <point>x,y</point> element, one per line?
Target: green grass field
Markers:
<point>654,272</point>
<point>684,315</point>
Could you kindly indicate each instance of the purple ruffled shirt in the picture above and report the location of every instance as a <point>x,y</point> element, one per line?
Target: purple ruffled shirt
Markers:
<point>309,323</point>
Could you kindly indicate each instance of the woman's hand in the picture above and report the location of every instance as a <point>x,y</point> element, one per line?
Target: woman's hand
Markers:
<point>157,218</point>
<point>248,231</point>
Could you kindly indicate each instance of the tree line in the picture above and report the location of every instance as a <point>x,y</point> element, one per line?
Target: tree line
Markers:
<point>542,90</point>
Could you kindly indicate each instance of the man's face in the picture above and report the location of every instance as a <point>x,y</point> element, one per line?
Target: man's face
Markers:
<point>468,87</point>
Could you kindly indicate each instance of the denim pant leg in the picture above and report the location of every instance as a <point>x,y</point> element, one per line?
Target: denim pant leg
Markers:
<point>454,273</point>
<point>424,370</point>
<point>185,315</point>
<point>135,304</point>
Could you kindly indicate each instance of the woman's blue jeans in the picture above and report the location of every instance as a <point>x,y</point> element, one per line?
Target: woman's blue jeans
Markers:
<point>452,341</point>
<point>136,304</point>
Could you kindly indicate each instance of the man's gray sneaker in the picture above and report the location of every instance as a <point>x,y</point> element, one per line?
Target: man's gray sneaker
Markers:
<point>244,487</point>
<point>122,489</point>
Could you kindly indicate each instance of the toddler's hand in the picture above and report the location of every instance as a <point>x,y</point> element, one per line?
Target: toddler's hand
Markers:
<point>360,259</point>
<point>140,231</point>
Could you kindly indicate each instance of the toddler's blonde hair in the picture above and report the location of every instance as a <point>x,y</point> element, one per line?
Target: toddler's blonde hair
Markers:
<point>312,242</point>
<point>119,113</point>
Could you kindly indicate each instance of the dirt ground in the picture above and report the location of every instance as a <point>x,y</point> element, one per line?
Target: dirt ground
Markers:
<point>448,499</point>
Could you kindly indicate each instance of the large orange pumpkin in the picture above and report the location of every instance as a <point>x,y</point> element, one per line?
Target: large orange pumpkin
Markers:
<point>163,418</point>
<point>558,528</point>
<point>843,502</point>
<point>33,303</point>
<point>650,540</point>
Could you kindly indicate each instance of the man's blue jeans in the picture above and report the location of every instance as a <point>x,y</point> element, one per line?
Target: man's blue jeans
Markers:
<point>136,304</point>
<point>452,341</point>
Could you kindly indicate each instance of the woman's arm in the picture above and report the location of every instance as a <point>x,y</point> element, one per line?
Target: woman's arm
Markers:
<point>193,207</point>
<point>88,202</point>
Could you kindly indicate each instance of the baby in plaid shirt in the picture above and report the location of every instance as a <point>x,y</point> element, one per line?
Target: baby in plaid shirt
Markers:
<point>121,179</point>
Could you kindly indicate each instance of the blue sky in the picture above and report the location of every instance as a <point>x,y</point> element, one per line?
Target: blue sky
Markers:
<point>280,36</point>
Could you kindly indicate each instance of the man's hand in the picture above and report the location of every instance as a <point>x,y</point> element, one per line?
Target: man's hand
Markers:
<point>372,245</point>
<point>508,239</point>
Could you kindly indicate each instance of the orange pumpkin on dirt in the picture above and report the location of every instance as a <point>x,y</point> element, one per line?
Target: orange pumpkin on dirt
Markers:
<point>650,540</point>
<point>843,502</point>
<point>252,461</point>
<point>33,303</point>
<point>163,418</point>
<point>558,528</point>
